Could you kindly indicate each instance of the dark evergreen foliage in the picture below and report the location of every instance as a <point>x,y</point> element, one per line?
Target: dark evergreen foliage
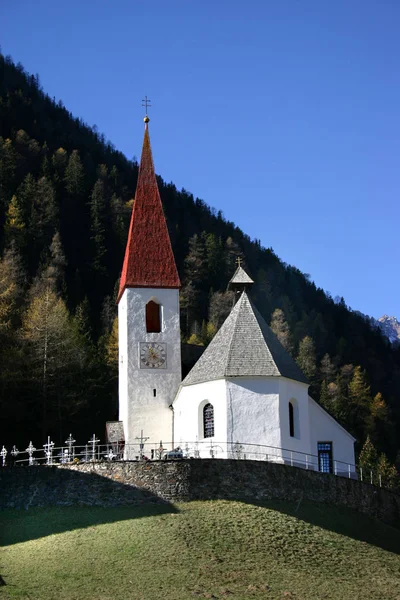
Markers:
<point>66,196</point>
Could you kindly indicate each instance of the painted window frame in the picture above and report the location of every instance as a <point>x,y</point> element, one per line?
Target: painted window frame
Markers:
<point>208,429</point>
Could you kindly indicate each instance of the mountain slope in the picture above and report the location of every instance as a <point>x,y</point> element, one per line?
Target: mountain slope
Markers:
<point>390,327</point>
<point>65,201</point>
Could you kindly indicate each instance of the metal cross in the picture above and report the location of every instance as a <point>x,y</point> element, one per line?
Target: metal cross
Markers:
<point>3,455</point>
<point>142,442</point>
<point>30,450</point>
<point>70,442</point>
<point>110,454</point>
<point>93,442</point>
<point>48,450</point>
<point>239,261</point>
<point>146,103</point>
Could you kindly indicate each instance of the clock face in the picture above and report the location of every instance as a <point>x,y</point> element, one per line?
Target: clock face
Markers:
<point>153,355</point>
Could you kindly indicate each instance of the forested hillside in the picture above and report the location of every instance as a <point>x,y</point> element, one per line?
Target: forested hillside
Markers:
<point>66,196</point>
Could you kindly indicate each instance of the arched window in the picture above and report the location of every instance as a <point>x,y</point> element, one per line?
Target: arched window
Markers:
<point>208,420</point>
<point>153,317</point>
<point>291,419</point>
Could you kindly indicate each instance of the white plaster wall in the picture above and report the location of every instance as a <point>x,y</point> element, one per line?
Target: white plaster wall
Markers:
<point>188,416</point>
<point>123,363</point>
<point>299,444</point>
<point>138,408</point>
<point>253,415</point>
<point>324,428</point>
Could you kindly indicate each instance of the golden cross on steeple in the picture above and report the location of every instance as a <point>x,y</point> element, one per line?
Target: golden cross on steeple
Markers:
<point>146,103</point>
<point>239,261</point>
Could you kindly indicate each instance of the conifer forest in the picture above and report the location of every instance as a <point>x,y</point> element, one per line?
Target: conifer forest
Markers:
<point>66,196</point>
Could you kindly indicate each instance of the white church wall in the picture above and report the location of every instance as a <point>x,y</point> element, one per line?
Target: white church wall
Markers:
<point>298,445</point>
<point>123,363</point>
<point>324,428</point>
<point>253,416</point>
<point>142,408</point>
<point>188,417</point>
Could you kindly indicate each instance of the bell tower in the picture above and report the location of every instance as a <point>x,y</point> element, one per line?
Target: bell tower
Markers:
<point>148,315</point>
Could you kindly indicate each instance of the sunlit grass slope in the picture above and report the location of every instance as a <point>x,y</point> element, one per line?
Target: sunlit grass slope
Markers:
<point>214,549</point>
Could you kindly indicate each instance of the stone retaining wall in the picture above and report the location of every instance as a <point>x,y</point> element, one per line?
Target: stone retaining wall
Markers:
<point>109,484</point>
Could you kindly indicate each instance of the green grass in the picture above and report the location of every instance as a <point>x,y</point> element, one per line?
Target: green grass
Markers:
<point>216,549</point>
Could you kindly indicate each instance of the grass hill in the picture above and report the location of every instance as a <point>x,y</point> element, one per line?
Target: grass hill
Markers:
<point>217,549</point>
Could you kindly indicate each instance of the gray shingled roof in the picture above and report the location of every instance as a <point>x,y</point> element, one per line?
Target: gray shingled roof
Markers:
<point>240,276</point>
<point>244,347</point>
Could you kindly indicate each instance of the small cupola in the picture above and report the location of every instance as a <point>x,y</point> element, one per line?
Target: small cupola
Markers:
<point>240,281</point>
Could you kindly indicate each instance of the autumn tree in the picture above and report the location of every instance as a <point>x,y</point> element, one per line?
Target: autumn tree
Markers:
<point>281,329</point>
<point>359,403</point>
<point>306,357</point>
<point>52,360</point>
<point>221,304</point>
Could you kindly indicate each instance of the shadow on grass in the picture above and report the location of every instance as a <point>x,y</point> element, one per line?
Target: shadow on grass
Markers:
<point>342,520</point>
<point>41,502</point>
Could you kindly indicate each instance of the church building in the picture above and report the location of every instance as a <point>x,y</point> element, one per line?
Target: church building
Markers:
<point>244,397</point>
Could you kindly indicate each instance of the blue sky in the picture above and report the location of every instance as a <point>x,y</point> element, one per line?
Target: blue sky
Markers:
<point>284,114</point>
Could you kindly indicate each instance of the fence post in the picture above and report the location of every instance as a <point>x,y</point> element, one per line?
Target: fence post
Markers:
<point>371,477</point>
<point>361,475</point>
<point>380,480</point>
<point>291,459</point>
<point>307,462</point>
<point>349,472</point>
<point>335,467</point>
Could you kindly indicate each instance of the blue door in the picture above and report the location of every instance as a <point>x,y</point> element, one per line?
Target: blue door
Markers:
<point>325,457</point>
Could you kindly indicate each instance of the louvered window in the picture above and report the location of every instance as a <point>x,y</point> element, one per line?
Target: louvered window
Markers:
<point>208,420</point>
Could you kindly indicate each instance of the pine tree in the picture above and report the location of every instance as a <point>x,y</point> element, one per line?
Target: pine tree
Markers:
<point>389,477</point>
<point>327,369</point>
<point>43,215</point>
<point>98,226</point>
<point>306,357</point>
<point>368,459</point>
<point>52,360</point>
<point>74,176</point>
<point>111,348</point>
<point>359,402</point>
<point>15,227</point>
<point>221,304</point>
<point>281,329</point>
<point>59,162</point>
<point>7,177</point>
<point>12,280</point>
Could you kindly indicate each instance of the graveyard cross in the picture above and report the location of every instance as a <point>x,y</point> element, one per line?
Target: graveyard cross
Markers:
<point>110,454</point>
<point>142,442</point>
<point>3,455</point>
<point>30,450</point>
<point>93,443</point>
<point>70,442</point>
<point>48,450</point>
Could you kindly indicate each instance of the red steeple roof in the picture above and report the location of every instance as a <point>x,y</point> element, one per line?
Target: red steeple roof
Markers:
<point>149,260</point>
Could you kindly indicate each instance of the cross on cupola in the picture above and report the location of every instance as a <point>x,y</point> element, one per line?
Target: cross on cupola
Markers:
<point>240,280</point>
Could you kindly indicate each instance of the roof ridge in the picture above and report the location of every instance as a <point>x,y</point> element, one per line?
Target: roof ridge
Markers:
<point>234,327</point>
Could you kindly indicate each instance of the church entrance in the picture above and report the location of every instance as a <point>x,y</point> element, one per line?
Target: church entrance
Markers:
<point>325,457</point>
